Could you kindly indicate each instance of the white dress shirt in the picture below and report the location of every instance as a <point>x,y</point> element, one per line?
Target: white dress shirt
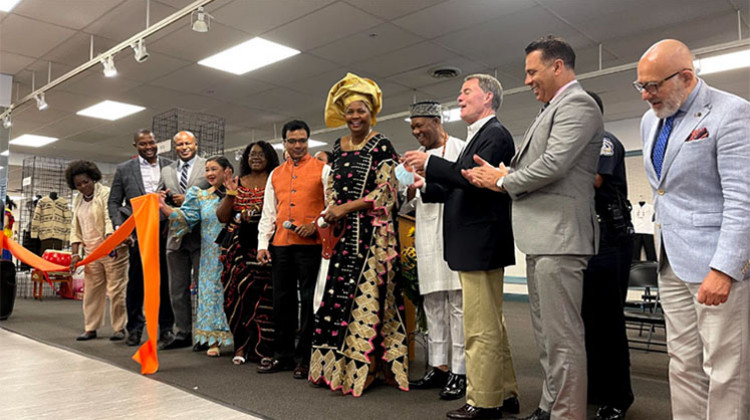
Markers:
<point>151,174</point>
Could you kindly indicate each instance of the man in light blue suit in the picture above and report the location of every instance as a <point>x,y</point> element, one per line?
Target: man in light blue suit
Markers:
<point>696,148</point>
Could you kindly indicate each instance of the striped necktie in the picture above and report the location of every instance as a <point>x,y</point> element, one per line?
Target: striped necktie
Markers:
<point>657,157</point>
<point>183,177</point>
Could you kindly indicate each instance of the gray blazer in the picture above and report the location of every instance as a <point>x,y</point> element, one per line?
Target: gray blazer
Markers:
<point>170,179</point>
<point>552,178</point>
<point>127,184</point>
<point>702,201</point>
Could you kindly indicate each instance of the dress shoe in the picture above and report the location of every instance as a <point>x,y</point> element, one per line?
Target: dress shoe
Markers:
<point>165,337</point>
<point>177,343</point>
<point>538,414</point>
<point>87,335</point>
<point>134,339</point>
<point>275,365</point>
<point>511,405</point>
<point>608,412</point>
<point>434,378</point>
<point>117,336</point>
<point>455,388</point>
<point>468,411</point>
<point>301,371</point>
<point>200,347</point>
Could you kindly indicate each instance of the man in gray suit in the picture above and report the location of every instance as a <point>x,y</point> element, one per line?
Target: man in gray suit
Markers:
<point>134,178</point>
<point>184,253</point>
<point>551,183</point>
<point>696,151</point>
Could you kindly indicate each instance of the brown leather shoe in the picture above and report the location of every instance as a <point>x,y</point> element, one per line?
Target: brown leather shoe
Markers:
<point>275,365</point>
<point>468,411</point>
<point>301,371</point>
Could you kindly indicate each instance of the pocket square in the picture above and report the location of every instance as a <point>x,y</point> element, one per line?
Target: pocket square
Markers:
<point>698,134</point>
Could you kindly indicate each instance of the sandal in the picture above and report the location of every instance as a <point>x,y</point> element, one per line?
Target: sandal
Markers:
<point>213,351</point>
<point>238,360</point>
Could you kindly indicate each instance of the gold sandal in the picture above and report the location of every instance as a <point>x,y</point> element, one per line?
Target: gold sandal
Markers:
<point>213,351</point>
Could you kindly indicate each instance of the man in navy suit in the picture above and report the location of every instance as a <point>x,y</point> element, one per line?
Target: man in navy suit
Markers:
<point>134,178</point>
<point>696,151</point>
<point>478,244</point>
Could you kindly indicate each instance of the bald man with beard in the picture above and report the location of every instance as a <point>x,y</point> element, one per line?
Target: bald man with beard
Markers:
<point>696,150</point>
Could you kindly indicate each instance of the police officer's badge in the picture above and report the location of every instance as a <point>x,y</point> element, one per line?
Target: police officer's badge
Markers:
<point>608,149</point>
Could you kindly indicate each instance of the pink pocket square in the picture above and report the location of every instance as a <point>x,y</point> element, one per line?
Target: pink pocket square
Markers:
<point>698,134</point>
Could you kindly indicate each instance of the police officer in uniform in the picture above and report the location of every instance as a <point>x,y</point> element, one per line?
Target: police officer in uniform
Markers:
<point>605,284</point>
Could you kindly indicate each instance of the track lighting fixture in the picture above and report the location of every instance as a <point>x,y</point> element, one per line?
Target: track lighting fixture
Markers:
<point>7,122</point>
<point>41,104</point>
<point>139,51</point>
<point>109,67</point>
<point>200,20</point>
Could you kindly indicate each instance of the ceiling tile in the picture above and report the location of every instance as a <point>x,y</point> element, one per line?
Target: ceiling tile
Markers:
<point>127,19</point>
<point>194,79</point>
<point>391,10</point>
<point>30,37</point>
<point>283,101</point>
<point>333,22</point>
<point>156,66</point>
<point>258,16</point>
<point>375,41</point>
<point>76,49</point>
<point>13,63</point>
<point>195,46</point>
<point>300,66</point>
<point>422,55</point>
<point>96,85</point>
<point>76,14</point>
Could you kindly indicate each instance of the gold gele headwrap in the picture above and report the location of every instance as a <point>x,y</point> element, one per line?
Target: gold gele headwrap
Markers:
<point>350,89</point>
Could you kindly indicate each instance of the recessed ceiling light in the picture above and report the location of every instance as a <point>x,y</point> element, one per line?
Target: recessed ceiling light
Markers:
<point>5,153</point>
<point>310,144</point>
<point>724,62</point>
<point>110,110</point>
<point>8,5</point>
<point>32,140</point>
<point>249,55</point>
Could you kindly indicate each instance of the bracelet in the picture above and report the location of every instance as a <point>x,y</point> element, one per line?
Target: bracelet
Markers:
<point>231,193</point>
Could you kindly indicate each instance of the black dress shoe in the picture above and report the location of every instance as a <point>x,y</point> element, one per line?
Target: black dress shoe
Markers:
<point>468,411</point>
<point>538,414</point>
<point>87,335</point>
<point>301,371</point>
<point>434,378</point>
<point>177,343</point>
<point>134,339</point>
<point>117,336</point>
<point>511,405</point>
<point>455,388</point>
<point>608,412</point>
<point>200,347</point>
<point>165,337</point>
<point>275,365</point>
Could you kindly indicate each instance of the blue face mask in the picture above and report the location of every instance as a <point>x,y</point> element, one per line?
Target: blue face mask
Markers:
<point>404,177</point>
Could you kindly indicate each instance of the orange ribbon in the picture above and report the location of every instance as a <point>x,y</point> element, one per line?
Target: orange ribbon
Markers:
<point>145,219</point>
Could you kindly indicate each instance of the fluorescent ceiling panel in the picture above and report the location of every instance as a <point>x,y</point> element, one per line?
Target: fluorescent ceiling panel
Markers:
<point>32,140</point>
<point>5,153</point>
<point>110,110</point>
<point>310,144</point>
<point>248,56</point>
<point>724,62</point>
<point>8,5</point>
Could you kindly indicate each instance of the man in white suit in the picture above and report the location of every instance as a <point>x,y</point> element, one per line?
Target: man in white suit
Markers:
<point>183,254</point>
<point>551,183</point>
<point>696,150</point>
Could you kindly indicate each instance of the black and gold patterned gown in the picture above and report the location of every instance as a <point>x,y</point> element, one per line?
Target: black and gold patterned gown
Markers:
<point>360,318</point>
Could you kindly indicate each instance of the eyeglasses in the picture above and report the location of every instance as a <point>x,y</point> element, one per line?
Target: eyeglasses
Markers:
<point>653,87</point>
<point>293,141</point>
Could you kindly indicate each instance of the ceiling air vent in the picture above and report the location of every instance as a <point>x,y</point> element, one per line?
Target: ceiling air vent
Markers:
<point>445,72</point>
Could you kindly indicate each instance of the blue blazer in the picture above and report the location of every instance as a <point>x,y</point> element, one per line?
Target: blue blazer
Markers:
<point>702,201</point>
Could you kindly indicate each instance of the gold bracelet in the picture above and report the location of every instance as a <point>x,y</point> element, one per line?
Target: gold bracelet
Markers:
<point>231,193</point>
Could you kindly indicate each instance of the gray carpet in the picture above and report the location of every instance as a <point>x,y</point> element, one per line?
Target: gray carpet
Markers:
<point>279,396</point>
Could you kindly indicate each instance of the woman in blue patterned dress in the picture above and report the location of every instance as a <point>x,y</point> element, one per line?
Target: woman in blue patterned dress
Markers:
<point>200,206</point>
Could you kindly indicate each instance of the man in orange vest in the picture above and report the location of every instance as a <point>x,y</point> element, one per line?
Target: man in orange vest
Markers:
<point>293,200</point>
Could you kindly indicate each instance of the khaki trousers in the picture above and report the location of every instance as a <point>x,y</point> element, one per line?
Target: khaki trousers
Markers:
<point>709,350</point>
<point>105,277</point>
<point>489,366</point>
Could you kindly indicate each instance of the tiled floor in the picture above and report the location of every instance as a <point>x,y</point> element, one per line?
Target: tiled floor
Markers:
<point>41,381</point>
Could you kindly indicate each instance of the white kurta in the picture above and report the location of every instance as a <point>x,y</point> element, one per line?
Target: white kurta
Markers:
<point>434,273</point>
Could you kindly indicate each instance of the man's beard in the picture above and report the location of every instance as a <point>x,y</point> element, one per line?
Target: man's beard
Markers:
<point>671,104</point>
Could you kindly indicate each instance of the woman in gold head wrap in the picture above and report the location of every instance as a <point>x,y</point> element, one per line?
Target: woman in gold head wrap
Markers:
<point>359,330</point>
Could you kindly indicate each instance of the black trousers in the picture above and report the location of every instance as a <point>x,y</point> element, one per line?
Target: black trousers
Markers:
<point>134,291</point>
<point>646,242</point>
<point>605,284</point>
<point>294,266</point>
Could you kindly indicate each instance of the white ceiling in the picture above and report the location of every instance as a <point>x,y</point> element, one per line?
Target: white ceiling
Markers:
<point>394,42</point>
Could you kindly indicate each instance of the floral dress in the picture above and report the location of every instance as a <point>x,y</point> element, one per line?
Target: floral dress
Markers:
<point>360,319</point>
<point>200,207</point>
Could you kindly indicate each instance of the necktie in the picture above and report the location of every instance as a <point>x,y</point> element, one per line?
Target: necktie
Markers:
<point>183,177</point>
<point>661,145</point>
